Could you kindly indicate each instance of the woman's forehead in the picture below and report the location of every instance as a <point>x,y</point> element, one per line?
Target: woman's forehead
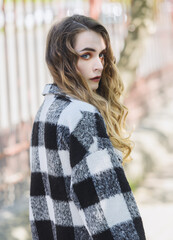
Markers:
<point>89,39</point>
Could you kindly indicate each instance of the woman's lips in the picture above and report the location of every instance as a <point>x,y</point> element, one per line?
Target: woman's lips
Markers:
<point>95,79</point>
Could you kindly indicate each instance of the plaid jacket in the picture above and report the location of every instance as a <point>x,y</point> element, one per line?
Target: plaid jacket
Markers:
<point>78,187</point>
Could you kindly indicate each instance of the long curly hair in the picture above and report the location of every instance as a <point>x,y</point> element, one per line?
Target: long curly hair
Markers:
<point>61,59</point>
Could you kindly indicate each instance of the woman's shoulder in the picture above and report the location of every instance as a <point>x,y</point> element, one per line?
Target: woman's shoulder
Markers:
<point>79,105</point>
<point>75,112</point>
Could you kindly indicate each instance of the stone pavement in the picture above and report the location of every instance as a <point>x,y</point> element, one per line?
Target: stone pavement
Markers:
<point>14,224</point>
<point>155,202</point>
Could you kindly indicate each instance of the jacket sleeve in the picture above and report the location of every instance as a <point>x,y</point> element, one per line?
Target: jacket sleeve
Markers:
<point>99,187</point>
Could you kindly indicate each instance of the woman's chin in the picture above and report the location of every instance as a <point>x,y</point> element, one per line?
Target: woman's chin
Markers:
<point>94,85</point>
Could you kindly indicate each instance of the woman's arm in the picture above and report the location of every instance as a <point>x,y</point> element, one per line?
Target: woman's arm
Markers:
<point>99,187</point>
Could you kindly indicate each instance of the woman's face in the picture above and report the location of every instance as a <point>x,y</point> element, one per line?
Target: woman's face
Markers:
<point>91,49</point>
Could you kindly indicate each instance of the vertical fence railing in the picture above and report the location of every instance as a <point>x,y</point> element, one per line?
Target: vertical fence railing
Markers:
<point>20,57</point>
<point>8,112</point>
<point>26,60</point>
<point>16,45</point>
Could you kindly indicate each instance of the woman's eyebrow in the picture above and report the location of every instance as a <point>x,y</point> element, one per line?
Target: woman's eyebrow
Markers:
<point>90,49</point>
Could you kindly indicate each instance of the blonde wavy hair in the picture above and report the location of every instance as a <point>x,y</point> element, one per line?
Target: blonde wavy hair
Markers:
<point>61,59</point>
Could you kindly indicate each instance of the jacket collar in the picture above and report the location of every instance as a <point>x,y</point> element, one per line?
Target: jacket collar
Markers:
<point>53,89</point>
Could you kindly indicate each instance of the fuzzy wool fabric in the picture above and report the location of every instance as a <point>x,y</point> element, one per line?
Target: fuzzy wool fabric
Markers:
<point>78,187</point>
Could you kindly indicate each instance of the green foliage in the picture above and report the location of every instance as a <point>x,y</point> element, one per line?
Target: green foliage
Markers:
<point>134,184</point>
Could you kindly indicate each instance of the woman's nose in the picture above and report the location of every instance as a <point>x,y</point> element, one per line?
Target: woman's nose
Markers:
<point>98,64</point>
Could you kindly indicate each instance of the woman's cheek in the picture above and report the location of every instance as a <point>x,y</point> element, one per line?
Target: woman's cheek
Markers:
<point>82,66</point>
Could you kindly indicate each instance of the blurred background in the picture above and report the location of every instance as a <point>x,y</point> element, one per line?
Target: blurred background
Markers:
<point>142,40</point>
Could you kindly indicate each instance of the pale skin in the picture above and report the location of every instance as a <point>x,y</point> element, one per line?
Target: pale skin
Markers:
<point>91,49</point>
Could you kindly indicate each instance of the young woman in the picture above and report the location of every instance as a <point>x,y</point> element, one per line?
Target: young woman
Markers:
<point>78,187</point>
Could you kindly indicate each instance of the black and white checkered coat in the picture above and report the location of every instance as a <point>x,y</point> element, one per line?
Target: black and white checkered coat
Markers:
<point>78,187</point>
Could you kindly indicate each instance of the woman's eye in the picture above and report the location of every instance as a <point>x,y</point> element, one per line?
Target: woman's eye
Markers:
<point>85,56</point>
<point>101,55</point>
